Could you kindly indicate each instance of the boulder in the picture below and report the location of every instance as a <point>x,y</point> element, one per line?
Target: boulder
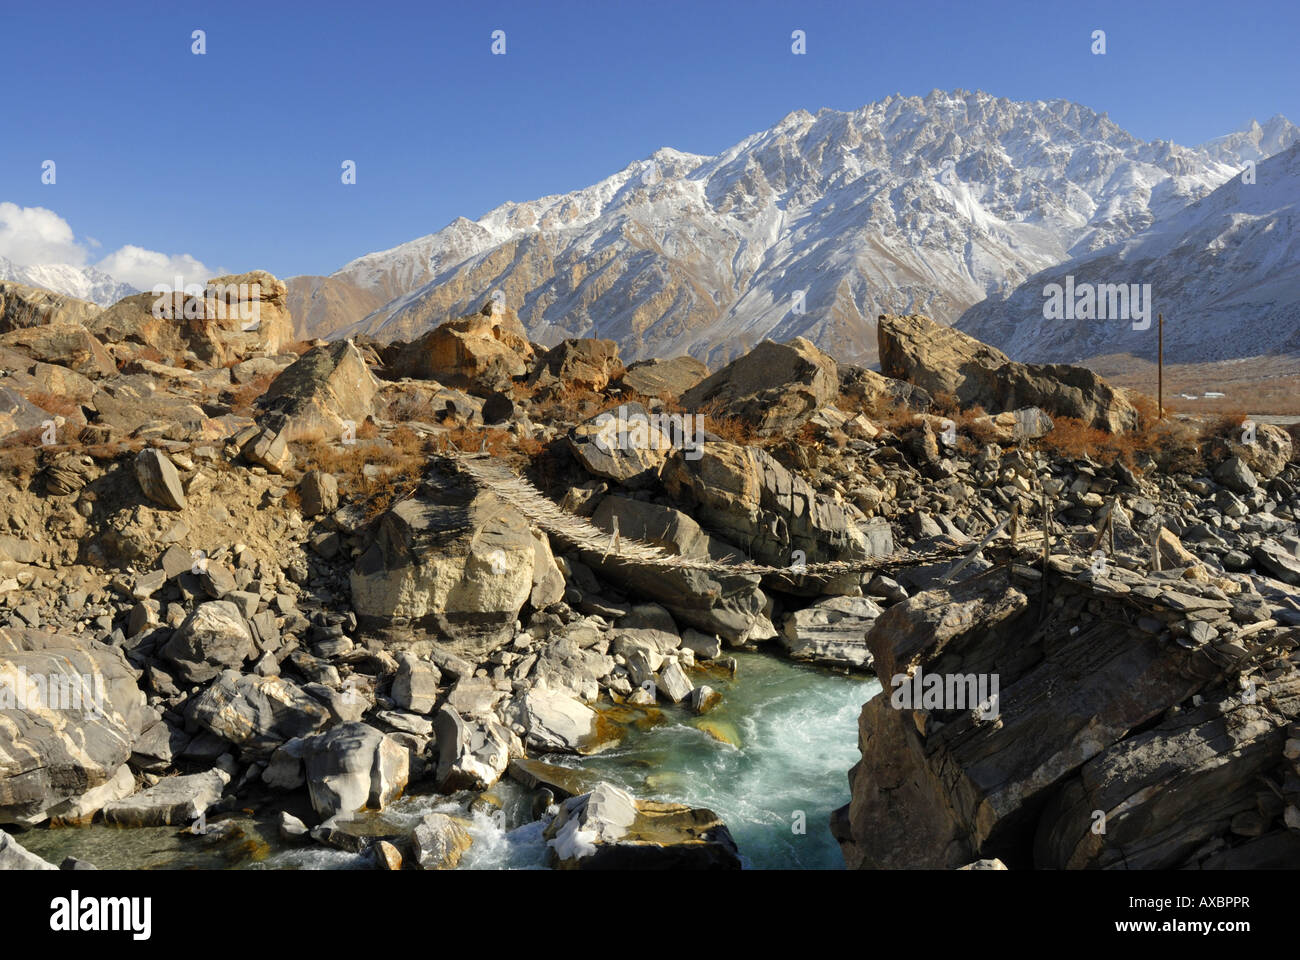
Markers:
<point>170,802</point>
<point>1010,708</point>
<point>832,632</point>
<point>481,352</point>
<point>776,387</point>
<point>326,387</point>
<point>472,753</point>
<point>415,686</point>
<point>453,557</point>
<point>319,493</point>
<point>233,318</point>
<point>872,389</point>
<point>583,364</point>
<point>353,767</point>
<point>159,480</point>
<point>23,306</point>
<point>625,444</point>
<point>765,509</point>
<point>212,638</point>
<point>942,360</point>
<point>607,829</point>
<point>63,344</point>
<point>1234,474</point>
<point>70,712</point>
<point>257,713</point>
<point>1192,774</point>
<point>673,683</point>
<point>439,842</point>
<point>555,722</point>
<point>664,379</point>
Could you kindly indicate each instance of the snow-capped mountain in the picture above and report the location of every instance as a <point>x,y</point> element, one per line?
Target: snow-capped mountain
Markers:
<point>1224,271</point>
<point>810,228</point>
<point>84,283</point>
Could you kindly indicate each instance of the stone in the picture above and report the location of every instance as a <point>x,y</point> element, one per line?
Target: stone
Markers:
<point>269,448</point>
<point>832,631</point>
<point>1277,563</point>
<point>943,360</point>
<point>703,699</point>
<point>324,389</point>
<point>589,364</point>
<point>622,444</point>
<point>704,646</point>
<point>555,722</point>
<point>27,306</point>
<point>673,683</point>
<point>256,713</point>
<point>1234,474</point>
<point>415,686</point>
<point>607,829</point>
<point>453,557</point>
<point>668,378</point>
<point>237,317</point>
<point>159,480</point>
<point>775,388</point>
<point>439,842</point>
<point>319,493</point>
<point>353,767</point>
<point>483,352</point>
<point>472,754</point>
<point>62,344</point>
<point>70,713</point>
<point>214,637</point>
<point>170,802</point>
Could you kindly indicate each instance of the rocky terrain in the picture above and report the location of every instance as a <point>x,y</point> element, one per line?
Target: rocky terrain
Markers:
<point>246,575</point>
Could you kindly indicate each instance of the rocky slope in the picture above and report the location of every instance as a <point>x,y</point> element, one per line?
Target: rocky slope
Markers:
<point>1224,271</point>
<point>912,204</point>
<point>84,283</point>
<point>304,585</point>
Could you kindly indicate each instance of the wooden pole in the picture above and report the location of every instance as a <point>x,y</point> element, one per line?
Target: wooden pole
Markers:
<point>1160,364</point>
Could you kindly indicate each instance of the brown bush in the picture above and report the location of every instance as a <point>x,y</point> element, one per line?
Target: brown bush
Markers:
<point>52,403</point>
<point>245,396</point>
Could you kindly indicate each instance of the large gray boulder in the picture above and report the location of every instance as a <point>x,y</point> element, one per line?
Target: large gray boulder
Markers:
<point>608,829</point>
<point>942,360</point>
<point>170,802</point>
<point>70,712</point>
<point>212,638</point>
<point>832,631</point>
<point>257,713</point>
<point>455,559</point>
<point>354,767</point>
<point>775,387</point>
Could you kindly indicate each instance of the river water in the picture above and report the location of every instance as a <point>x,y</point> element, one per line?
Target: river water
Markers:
<point>771,760</point>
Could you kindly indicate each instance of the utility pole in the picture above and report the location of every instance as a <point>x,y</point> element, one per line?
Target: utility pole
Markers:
<point>1160,364</point>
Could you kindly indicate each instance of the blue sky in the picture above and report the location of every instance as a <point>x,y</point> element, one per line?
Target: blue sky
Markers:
<point>234,157</point>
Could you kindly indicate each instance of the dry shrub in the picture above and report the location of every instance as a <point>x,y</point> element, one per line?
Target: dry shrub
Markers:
<point>53,403</point>
<point>18,454</point>
<point>401,462</point>
<point>245,396</point>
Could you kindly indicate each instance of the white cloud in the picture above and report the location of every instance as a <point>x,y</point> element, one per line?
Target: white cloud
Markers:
<point>33,236</point>
<point>143,268</point>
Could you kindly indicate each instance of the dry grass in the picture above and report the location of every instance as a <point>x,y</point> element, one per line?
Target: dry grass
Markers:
<point>53,403</point>
<point>244,397</point>
<point>400,461</point>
